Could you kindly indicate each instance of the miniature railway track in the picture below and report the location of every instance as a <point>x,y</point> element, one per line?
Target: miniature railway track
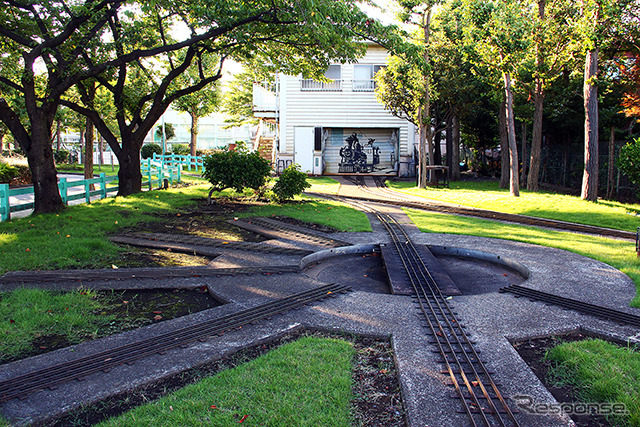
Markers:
<point>278,229</point>
<point>480,397</point>
<point>385,195</point>
<point>24,385</point>
<point>138,273</point>
<point>572,304</point>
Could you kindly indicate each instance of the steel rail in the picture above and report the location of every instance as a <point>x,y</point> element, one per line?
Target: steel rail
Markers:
<point>25,384</point>
<point>442,312</point>
<point>438,305</point>
<point>572,304</point>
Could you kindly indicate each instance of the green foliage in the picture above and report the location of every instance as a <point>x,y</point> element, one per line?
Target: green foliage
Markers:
<point>600,372</point>
<point>61,156</point>
<point>180,149</point>
<point>7,173</point>
<point>237,170</point>
<point>148,150</point>
<point>291,183</point>
<point>169,132</point>
<point>629,162</point>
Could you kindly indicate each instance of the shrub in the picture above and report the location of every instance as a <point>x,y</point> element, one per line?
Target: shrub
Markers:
<point>629,162</point>
<point>181,149</point>
<point>61,156</point>
<point>291,183</point>
<point>232,169</point>
<point>7,173</point>
<point>148,150</point>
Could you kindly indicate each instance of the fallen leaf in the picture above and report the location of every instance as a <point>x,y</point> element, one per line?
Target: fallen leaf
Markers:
<point>68,235</point>
<point>115,267</point>
<point>243,418</point>
<point>171,407</point>
<point>12,321</point>
<point>214,407</point>
<point>27,250</point>
<point>157,312</point>
<point>158,317</point>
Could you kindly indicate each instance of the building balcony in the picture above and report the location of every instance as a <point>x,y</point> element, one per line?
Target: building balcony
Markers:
<point>265,102</point>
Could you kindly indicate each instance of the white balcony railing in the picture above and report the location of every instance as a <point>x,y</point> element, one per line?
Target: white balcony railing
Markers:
<point>313,85</point>
<point>364,85</point>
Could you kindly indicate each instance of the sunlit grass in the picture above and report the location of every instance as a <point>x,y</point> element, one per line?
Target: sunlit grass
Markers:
<point>600,372</point>
<point>26,314</point>
<point>77,236</point>
<point>617,253</point>
<point>303,383</point>
<point>488,195</point>
<point>329,213</point>
<point>323,184</point>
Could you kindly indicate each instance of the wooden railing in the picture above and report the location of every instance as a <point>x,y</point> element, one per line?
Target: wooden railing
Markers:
<point>196,162</point>
<point>103,191</point>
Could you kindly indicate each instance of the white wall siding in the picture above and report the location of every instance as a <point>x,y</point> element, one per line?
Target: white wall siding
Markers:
<point>344,109</point>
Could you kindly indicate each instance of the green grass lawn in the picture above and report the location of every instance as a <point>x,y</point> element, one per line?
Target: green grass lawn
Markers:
<point>324,212</point>
<point>488,195</point>
<point>599,372</point>
<point>323,184</point>
<point>303,383</point>
<point>26,314</point>
<point>617,253</point>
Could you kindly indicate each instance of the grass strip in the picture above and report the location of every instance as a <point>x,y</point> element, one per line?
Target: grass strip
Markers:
<point>488,195</point>
<point>600,372</point>
<point>323,184</point>
<point>303,383</point>
<point>29,314</point>
<point>617,253</point>
<point>324,212</point>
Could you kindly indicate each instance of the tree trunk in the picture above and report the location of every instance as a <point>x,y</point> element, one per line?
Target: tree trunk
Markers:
<point>422,156</point>
<point>514,186</point>
<point>590,176</point>
<point>43,171</point>
<point>504,147</point>
<point>58,135</point>
<point>523,176</point>
<point>88,151</point>
<point>100,149</point>
<point>449,145</point>
<point>437,148</point>
<point>455,152</point>
<point>194,134</point>
<point>538,102</point>
<point>425,117</point>
<point>611,168</point>
<point>129,175</point>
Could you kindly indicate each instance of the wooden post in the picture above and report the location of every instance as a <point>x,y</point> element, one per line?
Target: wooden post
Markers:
<point>87,190</point>
<point>103,185</point>
<point>62,185</point>
<point>5,209</point>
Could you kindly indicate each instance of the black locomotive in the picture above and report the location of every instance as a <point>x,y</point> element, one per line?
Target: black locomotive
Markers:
<point>354,157</point>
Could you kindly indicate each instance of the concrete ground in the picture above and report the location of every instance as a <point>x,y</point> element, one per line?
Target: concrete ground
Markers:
<point>493,320</point>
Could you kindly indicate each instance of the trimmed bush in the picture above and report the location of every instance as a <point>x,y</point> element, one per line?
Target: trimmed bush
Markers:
<point>7,173</point>
<point>291,183</point>
<point>61,156</point>
<point>232,169</point>
<point>181,149</point>
<point>629,162</point>
<point>148,150</point>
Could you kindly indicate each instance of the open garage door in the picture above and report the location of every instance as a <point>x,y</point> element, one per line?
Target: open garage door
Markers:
<point>358,154</point>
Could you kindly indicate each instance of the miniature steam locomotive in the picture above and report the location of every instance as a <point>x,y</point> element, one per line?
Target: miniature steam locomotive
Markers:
<point>354,156</point>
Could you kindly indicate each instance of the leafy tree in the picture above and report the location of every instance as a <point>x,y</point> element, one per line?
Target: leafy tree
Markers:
<point>148,150</point>
<point>165,132</point>
<point>238,100</point>
<point>498,32</point>
<point>69,41</point>
<point>197,104</point>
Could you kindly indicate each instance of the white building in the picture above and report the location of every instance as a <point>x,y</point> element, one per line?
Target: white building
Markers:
<point>315,122</point>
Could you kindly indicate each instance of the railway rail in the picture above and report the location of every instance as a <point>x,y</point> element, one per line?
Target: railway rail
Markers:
<point>23,385</point>
<point>383,194</point>
<point>481,398</point>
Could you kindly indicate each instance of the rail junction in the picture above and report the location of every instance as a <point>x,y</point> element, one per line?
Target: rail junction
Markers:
<point>445,302</point>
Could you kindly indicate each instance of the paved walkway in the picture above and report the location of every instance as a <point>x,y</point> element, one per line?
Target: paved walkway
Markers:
<point>494,320</point>
<point>28,198</point>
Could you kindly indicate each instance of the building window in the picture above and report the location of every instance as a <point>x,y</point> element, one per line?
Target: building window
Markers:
<point>363,77</point>
<point>334,73</point>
